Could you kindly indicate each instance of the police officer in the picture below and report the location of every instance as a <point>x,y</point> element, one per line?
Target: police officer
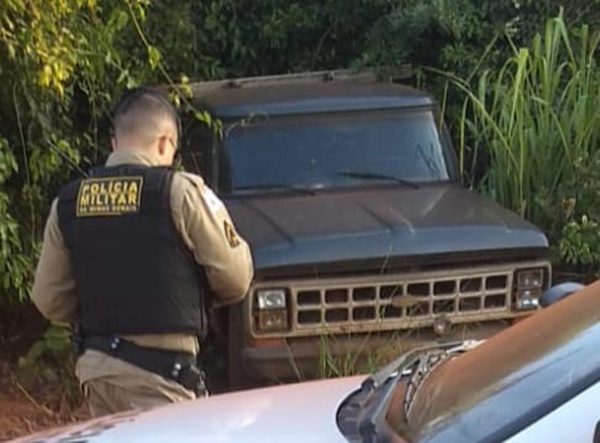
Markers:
<point>128,255</point>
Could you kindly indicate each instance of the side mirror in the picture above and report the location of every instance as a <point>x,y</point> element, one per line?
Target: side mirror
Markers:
<point>558,292</point>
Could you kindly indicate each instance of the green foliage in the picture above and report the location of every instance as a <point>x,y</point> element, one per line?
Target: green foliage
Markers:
<point>426,33</point>
<point>53,344</point>
<point>62,63</point>
<point>462,38</point>
<point>281,36</point>
<point>337,359</point>
<point>535,118</point>
<point>580,242</point>
<point>13,264</point>
<point>50,362</point>
<point>350,362</point>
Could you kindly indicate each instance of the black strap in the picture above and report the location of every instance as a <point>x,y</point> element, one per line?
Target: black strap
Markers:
<point>178,366</point>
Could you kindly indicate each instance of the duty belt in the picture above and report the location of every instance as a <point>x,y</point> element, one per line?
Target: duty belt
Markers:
<point>178,366</point>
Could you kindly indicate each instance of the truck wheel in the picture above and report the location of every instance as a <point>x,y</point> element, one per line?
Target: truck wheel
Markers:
<point>238,378</point>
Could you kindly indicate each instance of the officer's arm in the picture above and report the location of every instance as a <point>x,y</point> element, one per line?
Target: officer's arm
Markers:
<point>54,292</point>
<point>207,228</point>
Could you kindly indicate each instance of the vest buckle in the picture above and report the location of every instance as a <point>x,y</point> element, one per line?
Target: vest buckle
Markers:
<point>114,343</point>
<point>176,371</point>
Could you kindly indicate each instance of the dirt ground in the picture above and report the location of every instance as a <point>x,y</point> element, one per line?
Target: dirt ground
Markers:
<point>23,412</point>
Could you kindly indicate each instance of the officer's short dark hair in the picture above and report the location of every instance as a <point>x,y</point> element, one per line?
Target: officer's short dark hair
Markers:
<point>141,111</point>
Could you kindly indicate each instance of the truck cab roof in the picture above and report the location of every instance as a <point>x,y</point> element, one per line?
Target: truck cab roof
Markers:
<point>321,92</point>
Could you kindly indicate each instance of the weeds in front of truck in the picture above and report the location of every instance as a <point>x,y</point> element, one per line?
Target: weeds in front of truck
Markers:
<point>356,309</point>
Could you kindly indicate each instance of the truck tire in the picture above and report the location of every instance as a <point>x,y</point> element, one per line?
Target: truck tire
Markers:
<point>238,379</point>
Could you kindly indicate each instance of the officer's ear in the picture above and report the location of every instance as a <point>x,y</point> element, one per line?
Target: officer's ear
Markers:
<point>163,142</point>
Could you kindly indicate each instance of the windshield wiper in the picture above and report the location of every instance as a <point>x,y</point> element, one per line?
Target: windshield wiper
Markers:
<point>423,367</point>
<point>416,363</point>
<point>426,364</point>
<point>366,175</point>
<point>277,186</point>
<point>404,361</point>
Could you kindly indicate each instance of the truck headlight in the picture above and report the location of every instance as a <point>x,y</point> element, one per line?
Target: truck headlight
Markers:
<point>272,309</point>
<point>530,284</point>
<point>271,299</point>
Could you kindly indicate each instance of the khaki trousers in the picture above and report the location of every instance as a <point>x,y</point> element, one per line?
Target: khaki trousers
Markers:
<point>111,385</point>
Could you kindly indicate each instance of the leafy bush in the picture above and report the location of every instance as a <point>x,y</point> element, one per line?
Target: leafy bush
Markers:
<point>50,362</point>
<point>580,242</point>
<point>13,263</point>
<point>62,62</point>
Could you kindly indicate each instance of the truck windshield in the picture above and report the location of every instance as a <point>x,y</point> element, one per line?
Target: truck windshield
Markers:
<point>335,150</point>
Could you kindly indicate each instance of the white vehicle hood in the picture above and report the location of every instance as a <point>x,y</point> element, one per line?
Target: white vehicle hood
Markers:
<point>301,412</point>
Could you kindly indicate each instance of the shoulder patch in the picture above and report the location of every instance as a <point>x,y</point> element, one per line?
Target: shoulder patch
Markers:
<point>109,196</point>
<point>230,234</point>
<point>212,201</point>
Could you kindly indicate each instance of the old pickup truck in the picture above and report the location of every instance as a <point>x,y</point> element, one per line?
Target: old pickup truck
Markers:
<point>363,236</point>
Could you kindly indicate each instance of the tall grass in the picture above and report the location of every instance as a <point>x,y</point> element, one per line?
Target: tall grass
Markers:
<point>362,358</point>
<point>350,362</point>
<point>535,119</point>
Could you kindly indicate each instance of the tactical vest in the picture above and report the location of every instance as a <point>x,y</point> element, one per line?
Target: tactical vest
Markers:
<point>133,273</point>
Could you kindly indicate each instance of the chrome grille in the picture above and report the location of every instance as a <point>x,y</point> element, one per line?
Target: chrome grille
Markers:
<point>400,301</point>
<point>427,298</point>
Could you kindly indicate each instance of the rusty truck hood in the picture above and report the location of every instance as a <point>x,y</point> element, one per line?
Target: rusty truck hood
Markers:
<point>293,229</point>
